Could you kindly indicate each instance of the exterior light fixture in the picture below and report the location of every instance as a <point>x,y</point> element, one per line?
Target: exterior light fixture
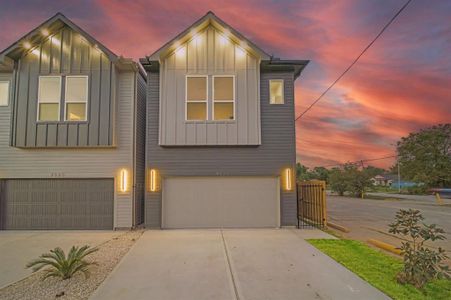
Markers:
<point>239,52</point>
<point>27,45</point>
<point>45,32</point>
<point>154,180</point>
<point>222,40</point>
<point>287,179</point>
<point>181,51</point>
<point>123,180</point>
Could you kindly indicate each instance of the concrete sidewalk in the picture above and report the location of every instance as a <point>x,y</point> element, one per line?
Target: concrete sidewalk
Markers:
<point>231,264</point>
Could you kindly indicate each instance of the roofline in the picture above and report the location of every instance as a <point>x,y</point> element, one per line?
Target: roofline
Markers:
<point>208,17</point>
<point>59,16</point>
<point>297,66</point>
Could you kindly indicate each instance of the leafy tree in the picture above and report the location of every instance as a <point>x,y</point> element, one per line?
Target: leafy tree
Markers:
<point>302,172</point>
<point>425,156</point>
<point>421,264</point>
<point>59,265</point>
<point>321,173</point>
<point>358,181</point>
<point>373,171</point>
<point>338,181</point>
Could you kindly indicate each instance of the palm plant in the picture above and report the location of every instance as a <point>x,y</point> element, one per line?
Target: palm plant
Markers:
<point>60,265</point>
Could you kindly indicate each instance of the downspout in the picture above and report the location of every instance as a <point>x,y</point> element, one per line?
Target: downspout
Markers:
<point>135,96</point>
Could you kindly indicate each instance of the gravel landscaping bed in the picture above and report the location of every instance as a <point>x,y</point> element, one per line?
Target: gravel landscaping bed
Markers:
<point>77,287</point>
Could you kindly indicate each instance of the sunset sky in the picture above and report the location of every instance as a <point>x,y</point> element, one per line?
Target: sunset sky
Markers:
<point>403,83</point>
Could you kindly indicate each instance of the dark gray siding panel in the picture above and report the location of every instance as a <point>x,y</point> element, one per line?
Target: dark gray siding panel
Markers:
<point>140,149</point>
<point>66,53</point>
<point>57,204</point>
<point>276,152</point>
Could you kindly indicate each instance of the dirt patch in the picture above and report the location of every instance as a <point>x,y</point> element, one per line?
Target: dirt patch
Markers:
<point>77,287</point>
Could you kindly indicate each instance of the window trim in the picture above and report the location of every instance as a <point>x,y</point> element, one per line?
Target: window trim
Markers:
<point>283,91</point>
<point>39,100</point>
<point>8,94</point>
<point>66,101</point>
<point>196,101</point>
<point>233,101</point>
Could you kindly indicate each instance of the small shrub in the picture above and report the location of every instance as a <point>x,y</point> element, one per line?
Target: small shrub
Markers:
<point>421,264</point>
<point>59,265</point>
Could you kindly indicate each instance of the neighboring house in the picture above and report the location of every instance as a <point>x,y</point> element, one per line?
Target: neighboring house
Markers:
<point>382,180</point>
<point>72,122</point>
<point>221,147</point>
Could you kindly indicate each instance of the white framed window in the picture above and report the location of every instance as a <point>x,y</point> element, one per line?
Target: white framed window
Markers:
<point>196,102</point>
<point>4,93</point>
<point>76,98</point>
<point>49,98</point>
<point>276,95</point>
<point>223,97</point>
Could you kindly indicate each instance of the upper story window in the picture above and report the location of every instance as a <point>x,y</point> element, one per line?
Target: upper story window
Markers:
<point>196,98</point>
<point>223,97</point>
<point>49,98</point>
<point>4,93</point>
<point>276,91</point>
<point>76,99</point>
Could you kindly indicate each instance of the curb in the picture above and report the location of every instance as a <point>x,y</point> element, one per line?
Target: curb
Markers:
<point>385,246</point>
<point>338,227</point>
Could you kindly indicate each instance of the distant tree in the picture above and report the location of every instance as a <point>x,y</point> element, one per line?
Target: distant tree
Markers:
<point>425,156</point>
<point>359,181</point>
<point>373,171</point>
<point>337,181</point>
<point>302,172</point>
<point>321,173</point>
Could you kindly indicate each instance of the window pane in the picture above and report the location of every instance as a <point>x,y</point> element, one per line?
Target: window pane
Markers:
<point>76,111</point>
<point>276,92</point>
<point>223,88</point>
<point>196,88</point>
<point>196,111</point>
<point>224,111</point>
<point>4,93</point>
<point>49,89</point>
<point>76,89</point>
<point>49,112</point>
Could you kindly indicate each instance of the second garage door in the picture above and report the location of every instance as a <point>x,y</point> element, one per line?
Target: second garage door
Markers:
<point>57,204</point>
<point>220,202</point>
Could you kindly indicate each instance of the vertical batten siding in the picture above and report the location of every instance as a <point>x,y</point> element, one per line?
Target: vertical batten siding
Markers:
<point>68,53</point>
<point>206,55</point>
<point>78,162</point>
<point>276,152</point>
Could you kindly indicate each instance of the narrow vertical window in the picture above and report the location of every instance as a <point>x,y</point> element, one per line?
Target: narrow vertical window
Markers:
<point>4,93</point>
<point>276,91</point>
<point>76,99</point>
<point>223,98</point>
<point>196,98</point>
<point>49,98</point>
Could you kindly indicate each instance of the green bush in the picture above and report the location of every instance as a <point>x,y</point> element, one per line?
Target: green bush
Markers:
<point>59,265</point>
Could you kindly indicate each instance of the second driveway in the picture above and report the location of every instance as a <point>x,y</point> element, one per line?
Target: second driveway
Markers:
<point>231,264</point>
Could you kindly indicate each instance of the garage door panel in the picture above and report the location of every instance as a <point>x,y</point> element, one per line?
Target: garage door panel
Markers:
<point>214,202</point>
<point>58,204</point>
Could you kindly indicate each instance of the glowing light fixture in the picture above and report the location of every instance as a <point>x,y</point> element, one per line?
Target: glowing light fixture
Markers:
<point>35,51</point>
<point>287,179</point>
<point>239,52</point>
<point>27,45</point>
<point>123,181</point>
<point>154,180</point>
<point>56,41</point>
<point>198,39</point>
<point>181,51</point>
<point>45,32</point>
<point>222,40</point>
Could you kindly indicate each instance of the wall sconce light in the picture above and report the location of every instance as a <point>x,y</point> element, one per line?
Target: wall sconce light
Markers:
<point>239,52</point>
<point>154,180</point>
<point>123,180</point>
<point>287,179</point>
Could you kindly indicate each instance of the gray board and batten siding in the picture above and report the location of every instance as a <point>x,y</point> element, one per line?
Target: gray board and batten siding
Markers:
<point>276,152</point>
<point>208,54</point>
<point>66,52</point>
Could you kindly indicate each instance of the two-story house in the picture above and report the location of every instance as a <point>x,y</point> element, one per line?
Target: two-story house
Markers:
<point>72,132</point>
<point>220,135</point>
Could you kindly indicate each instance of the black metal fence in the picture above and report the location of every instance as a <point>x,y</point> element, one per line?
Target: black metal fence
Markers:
<point>311,199</point>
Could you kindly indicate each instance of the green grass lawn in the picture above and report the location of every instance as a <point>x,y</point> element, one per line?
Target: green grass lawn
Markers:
<point>379,269</point>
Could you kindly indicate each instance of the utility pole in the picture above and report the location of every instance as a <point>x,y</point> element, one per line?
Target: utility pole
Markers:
<point>399,175</point>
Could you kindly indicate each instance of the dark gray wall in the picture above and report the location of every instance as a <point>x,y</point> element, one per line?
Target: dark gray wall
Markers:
<point>65,53</point>
<point>140,150</point>
<point>277,151</point>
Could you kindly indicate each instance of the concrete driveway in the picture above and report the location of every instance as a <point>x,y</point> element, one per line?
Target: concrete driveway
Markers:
<point>17,248</point>
<point>231,264</point>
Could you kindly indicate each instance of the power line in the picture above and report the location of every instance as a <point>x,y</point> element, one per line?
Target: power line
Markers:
<point>355,60</point>
<point>361,161</point>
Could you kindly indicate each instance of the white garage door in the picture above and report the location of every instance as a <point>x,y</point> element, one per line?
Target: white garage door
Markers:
<point>220,202</point>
